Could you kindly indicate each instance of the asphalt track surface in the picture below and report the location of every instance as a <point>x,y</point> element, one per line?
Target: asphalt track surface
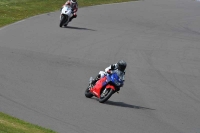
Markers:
<point>44,69</point>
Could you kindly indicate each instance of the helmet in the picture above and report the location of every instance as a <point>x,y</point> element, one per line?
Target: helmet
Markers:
<point>121,65</point>
<point>73,1</point>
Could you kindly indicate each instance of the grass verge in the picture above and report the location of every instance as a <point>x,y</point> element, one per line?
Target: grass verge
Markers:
<point>16,10</point>
<point>10,124</point>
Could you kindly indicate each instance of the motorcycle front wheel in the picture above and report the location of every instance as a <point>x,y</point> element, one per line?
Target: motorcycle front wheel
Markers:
<point>87,93</point>
<point>105,95</point>
<point>63,20</point>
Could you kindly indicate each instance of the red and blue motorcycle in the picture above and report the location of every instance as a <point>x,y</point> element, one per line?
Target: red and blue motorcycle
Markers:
<point>106,86</point>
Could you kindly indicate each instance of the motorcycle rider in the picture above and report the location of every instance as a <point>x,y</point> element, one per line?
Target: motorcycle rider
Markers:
<point>74,5</point>
<point>120,65</point>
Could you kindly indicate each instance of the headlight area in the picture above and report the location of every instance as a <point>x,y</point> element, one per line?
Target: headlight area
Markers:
<point>117,83</point>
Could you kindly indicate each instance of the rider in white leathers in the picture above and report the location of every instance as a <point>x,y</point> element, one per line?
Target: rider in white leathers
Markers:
<point>74,5</point>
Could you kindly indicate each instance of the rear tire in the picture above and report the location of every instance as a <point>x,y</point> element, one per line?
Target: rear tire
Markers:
<point>105,95</point>
<point>87,93</point>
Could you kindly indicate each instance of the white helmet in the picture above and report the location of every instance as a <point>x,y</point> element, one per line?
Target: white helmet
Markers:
<point>73,1</point>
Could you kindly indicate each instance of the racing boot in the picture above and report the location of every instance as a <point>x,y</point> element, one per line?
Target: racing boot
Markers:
<point>96,79</point>
<point>117,89</point>
<point>71,18</point>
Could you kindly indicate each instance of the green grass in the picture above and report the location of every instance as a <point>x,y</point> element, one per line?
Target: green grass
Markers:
<point>16,10</point>
<point>10,124</point>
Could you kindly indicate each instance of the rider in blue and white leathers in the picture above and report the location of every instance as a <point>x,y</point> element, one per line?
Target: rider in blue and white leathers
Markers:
<point>119,66</point>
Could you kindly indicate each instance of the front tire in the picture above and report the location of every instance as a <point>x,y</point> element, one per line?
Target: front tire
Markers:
<point>87,93</point>
<point>63,20</point>
<point>105,95</point>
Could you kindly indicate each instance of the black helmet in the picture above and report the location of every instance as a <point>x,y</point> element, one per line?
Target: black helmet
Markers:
<point>121,65</point>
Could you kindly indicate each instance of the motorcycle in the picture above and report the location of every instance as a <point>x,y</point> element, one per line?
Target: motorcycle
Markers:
<point>105,87</point>
<point>65,15</point>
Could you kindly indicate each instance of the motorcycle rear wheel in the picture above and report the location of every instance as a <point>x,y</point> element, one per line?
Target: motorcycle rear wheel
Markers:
<point>87,93</point>
<point>105,95</point>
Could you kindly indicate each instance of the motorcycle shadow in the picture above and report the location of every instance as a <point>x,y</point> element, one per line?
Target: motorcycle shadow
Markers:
<point>122,104</point>
<point>79,28</point>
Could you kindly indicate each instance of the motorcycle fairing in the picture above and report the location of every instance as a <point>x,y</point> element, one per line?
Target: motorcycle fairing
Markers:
<point>67,10</point>
<point>101,83</point>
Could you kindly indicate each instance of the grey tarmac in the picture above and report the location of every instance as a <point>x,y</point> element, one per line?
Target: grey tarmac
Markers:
<point>45,69</point>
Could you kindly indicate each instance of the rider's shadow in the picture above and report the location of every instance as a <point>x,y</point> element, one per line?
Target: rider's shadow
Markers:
<point>79,28</point>
<point>122,104</point>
